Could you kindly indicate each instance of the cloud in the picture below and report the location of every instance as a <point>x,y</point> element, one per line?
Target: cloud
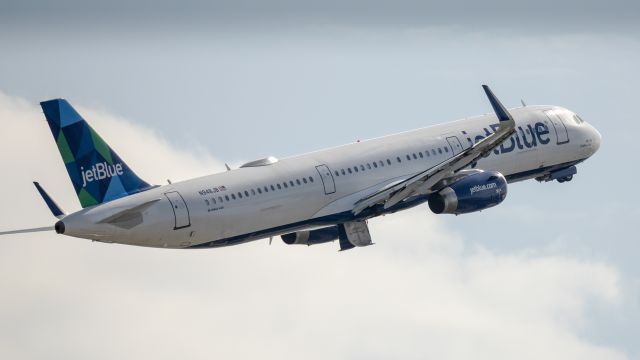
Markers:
<point>421,292</point>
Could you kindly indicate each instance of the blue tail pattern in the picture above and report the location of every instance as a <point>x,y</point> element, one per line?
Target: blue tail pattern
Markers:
<point>96,171</point>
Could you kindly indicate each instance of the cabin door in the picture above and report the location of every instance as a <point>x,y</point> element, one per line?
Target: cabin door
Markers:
<point>455,144</point>
<point>180,210</point>
<point>558,126</point>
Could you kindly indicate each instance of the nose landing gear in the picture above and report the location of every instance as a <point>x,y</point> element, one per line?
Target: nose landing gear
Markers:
<point>565,179</point>
<point>561,175</point>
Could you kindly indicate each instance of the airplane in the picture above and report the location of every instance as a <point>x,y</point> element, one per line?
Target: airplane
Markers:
<point>457,168</point>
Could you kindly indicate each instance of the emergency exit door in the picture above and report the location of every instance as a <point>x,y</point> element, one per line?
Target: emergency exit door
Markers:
<point>327,179</point>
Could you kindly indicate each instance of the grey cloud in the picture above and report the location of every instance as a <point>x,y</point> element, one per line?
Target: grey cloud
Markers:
<point>544,15</point>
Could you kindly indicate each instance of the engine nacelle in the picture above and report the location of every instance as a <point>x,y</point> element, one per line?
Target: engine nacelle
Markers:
<point>311,237</point>
<point>475,192</point>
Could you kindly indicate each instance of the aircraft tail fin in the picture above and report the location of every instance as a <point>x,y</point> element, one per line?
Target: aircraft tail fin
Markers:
<point>96,171</point>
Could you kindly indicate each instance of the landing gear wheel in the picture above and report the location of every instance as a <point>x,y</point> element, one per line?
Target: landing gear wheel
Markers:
<point>566,178</point>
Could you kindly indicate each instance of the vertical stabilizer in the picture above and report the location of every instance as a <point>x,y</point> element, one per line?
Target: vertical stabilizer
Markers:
<point>96,171</point>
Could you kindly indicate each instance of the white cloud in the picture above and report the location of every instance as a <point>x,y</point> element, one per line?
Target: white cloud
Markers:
<point>421,292</point>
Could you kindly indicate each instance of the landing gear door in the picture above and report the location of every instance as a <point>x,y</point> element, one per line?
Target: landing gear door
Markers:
<point>180,210</point>
<point>327,179</point>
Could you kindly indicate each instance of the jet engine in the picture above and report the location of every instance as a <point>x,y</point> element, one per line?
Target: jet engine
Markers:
<point>311,237</point>
<point>475,192</point>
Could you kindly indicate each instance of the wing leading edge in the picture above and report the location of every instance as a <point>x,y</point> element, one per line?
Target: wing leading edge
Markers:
<point>423,182</point>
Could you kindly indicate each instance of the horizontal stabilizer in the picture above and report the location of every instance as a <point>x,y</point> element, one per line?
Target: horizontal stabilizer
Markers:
<point>24,231</point>
<point>55,209</point>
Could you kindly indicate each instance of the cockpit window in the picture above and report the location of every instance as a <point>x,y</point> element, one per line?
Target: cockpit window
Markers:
<point>568,118</point>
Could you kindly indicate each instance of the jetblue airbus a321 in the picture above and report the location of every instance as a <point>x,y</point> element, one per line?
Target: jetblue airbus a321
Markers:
<point>457,168</point>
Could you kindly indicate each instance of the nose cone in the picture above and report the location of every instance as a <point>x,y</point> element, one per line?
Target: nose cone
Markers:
<point>592,140</point>
<point>596,139</point>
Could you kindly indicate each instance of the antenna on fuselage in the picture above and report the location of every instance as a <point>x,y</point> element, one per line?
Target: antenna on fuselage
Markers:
<point>227,166</point>
<point>523,103</point>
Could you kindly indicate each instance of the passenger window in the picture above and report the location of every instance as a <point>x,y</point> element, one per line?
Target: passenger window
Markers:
<point>388,162</point>
<point>446,149</point>
<point>220,198</point>
<point>298,181</point>
<point>336,173</point>
<point>253,192</point>
<point>398,158</point>
<point>408,157</point>
<point>440,150</point>
<point>246,193</point>
<point>433,152</point>
<point>349,170</point>
<point>355,168</point>
<point>272,188</point>
<point>304,180</point>
<point>291,183</point>
<point>240,195</point>
<point>375,165</point>
<point>369,166</point>
<point>259,191</point>
<point>279,187</point>
<point>341,170</point>
<point>414,156</point>
<point>421,156</point>
<point>361,167</point>
<point>285,185</point>
<point>233,196</point>
<point>226,197</point>
<point>311,178</point>
<point>214,200</point>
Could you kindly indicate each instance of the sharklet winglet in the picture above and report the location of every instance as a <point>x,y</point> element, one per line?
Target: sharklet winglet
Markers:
<point>500,110</point>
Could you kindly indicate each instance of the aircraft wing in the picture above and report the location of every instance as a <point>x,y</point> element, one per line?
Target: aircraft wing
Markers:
<point>423,182</point>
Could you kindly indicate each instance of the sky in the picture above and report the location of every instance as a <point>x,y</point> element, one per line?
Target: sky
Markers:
<point>180,88</point>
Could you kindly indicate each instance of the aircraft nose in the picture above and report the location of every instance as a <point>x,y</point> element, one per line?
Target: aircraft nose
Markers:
<point>596,139</point>
<point>592,140</point>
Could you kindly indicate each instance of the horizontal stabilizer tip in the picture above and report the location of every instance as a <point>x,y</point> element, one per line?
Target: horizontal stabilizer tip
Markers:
<point>25,231</point>
<point>55,209</point>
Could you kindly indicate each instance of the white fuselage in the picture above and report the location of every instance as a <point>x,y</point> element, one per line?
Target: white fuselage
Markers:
<point>321,188</point>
